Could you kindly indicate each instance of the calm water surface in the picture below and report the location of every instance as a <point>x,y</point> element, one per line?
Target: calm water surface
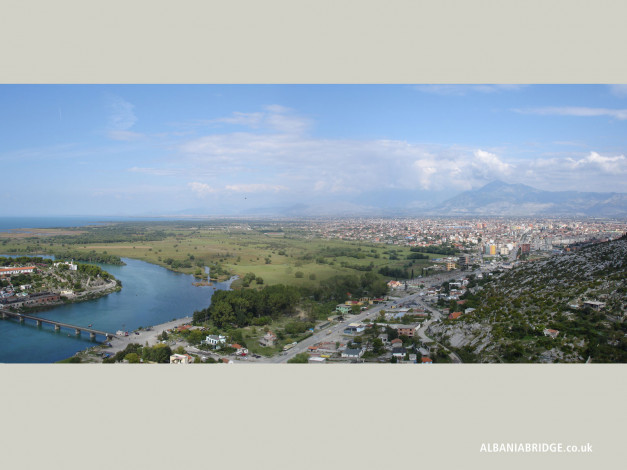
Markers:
<point>150,295</point>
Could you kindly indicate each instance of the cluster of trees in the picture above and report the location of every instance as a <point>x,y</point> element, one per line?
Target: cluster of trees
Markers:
<point>417,256</point>
<point>336,252</point>
<point>338,288</point>
<point>187,263</point>
<point>300,358</point>
<point>250,277</point>
<point>133,352</point>
<point>240,308</point>
<point>298,327</point>
<point>23,260</point>
<point>358,267</point>
<point>396,273</point>
<point>93,271</point>
<point>89,257</point>
<point>440,250</point>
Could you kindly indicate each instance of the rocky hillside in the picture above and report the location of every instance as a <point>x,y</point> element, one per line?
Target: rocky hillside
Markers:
<point>514,309</point>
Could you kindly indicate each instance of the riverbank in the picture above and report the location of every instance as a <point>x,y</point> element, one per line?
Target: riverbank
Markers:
<point>145,336</point>
<point>91,294</point>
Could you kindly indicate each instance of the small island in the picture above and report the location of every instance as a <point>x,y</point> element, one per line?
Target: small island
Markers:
<point>29,284</point>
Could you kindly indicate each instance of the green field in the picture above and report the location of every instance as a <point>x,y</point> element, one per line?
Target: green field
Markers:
<point>277,254</point>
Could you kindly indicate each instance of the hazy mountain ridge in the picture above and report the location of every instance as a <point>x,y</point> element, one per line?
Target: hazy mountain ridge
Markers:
<point>499,198</point>
<point>494,199</point>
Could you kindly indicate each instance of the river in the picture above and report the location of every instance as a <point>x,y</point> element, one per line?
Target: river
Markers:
<point>150,295</point>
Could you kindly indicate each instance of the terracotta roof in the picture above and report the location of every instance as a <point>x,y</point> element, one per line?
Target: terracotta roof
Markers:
<point>236,346</point>
<point>16,269</point>
<point>426,359</point>
<point>397,340</point>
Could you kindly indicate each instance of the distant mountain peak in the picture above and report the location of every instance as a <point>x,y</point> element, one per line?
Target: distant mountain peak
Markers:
<point>517,199</point>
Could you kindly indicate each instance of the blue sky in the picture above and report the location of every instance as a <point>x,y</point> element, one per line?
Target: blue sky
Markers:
<point>236,149</point>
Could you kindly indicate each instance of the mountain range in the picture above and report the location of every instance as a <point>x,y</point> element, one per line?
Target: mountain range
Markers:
<point>494,199</point>
<point>499,198</point>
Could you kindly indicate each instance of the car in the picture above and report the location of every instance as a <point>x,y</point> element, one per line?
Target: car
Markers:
<point>137,332</point>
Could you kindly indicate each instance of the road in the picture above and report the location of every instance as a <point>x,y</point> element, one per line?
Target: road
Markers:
<point>337,330</point>
<point>422,332</point>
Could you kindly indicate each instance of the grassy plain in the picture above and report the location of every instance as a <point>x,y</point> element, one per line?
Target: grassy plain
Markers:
<point>277,254</point>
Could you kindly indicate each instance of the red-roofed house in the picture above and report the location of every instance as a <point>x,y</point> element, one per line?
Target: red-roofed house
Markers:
<point>269,340</point>
<point>9,271</point>
<point>426,360</point>
<point>180,359</point>
<point>239,349</point>
<point>552,333</point>
<point>454,315</point>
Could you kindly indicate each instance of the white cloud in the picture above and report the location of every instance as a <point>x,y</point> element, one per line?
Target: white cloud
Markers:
<point>342,165</point>
<point>612,165</point>
<point>492,162</point>
<point>274,117</point>
<point>575,111</point>
<point>619,90</point>
<point>243,119</point>
<point>121,115</point>
<point>201,189</point>
<point>296,164</point>
<point>591,172</point>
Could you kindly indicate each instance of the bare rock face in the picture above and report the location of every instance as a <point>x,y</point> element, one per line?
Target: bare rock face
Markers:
<point>582,295</point>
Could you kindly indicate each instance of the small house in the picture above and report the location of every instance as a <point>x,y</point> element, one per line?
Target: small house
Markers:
<point>351,353</point>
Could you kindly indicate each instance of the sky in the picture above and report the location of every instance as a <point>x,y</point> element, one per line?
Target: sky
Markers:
<point>148,150</point>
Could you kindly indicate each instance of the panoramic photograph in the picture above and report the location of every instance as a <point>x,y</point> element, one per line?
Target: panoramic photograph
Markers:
<point>313,224</point>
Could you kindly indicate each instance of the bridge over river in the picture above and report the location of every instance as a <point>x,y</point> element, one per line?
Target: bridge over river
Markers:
<point>57,324</point>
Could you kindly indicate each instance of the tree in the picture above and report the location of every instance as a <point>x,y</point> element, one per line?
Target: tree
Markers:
<point>132,358</point>
<point>300,358</point>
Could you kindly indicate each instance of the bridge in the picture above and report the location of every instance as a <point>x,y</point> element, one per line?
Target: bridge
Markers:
<point>57,324</point>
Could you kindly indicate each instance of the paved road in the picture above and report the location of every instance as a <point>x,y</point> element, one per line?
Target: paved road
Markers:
<point>334,333</point>
<point>422,332</point>
<point>337,330</point>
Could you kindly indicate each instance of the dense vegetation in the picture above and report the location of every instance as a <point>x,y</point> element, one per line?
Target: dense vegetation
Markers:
<point>133,352</point>
<point>24,260</point>
<point>240,308</point>
<point>89,257</point>
<point>246,307</point>
<point>274,252</point>
<point>440,250</point>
